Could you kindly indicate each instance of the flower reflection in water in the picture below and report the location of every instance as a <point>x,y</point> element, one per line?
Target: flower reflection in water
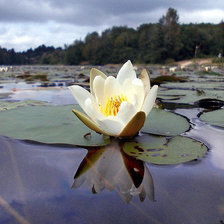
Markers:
<point>109,167</point>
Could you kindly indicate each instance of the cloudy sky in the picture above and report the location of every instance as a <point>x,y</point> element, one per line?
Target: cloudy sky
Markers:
<point>29,23</point>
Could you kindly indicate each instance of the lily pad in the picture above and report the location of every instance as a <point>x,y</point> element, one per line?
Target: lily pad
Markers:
<point>48,124</point>
<point>205,84</point>
<point>214,117</point>
<point>4,105</point>
<point>208,73</point>
<point>187,96</point>
<point>162,122</point>
<point>169,97</point>
<point>159,151</point>
<point>31,77</point>
<point>167,78</point>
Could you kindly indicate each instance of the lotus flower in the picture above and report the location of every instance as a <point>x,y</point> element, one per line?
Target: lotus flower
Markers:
<point>116,106</point>
<point>110,168</point>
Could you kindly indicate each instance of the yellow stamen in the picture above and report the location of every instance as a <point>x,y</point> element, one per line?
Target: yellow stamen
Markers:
<point>113,105</point>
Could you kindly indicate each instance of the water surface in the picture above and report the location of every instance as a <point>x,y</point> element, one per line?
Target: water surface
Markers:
<point>37,179</point>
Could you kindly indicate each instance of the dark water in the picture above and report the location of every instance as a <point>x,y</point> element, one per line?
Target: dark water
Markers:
<point>36,186</point>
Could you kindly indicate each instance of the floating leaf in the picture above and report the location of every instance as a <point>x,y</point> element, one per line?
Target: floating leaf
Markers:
<point>167,78</point>
<point>214,117</point>
<point>48,124</point>
<point>208,73</point>
<point>57,124</point>
<point>187,96</point>
<point>4,105</point>
<point>205,84</point>
<point>31,77</point>
<point>161,122</point>
<point>169,97</point>
<point>158,150</point>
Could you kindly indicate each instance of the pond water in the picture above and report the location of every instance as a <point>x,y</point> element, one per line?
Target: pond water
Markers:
<point>37,180</point>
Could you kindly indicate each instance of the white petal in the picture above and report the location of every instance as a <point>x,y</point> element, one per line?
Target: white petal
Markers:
<point>146,81</point>
<point>126,87</point>
<point>126,71</point>
<point>135,92</point>
<point>150,100</point>
<point>111,87</point>
<point>139,90</point>
<point>98,88</point>
<point>128,92</point>
<point>93,73</point>
<point>111,126</point>
<point>126,112</point>
<point>80,95</point>
<point>92,112</point>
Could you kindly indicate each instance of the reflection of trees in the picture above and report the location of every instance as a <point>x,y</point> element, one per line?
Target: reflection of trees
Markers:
<point>109,167</point>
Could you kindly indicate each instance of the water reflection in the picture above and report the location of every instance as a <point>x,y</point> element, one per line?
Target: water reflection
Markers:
<point>109,167</point>
<point>209,134</point>
<point>36,184</point>
<point>56,92</point>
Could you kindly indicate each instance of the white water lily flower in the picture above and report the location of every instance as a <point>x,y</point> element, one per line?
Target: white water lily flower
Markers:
<point>116,106</point>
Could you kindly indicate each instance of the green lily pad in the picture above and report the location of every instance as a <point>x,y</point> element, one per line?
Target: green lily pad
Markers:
<point>214,117</point>
<point>31,77</point>
<point>187,96</point>
<point>167,78</point>
<point>205,84</point>
<point>4,105</point>
<point>161,122</point>
<point>196,88</point>
<point>169,97</point>
<point>57,124</point>
<point>159,151</point>
<point>48,124</point>
<point>208,73</point>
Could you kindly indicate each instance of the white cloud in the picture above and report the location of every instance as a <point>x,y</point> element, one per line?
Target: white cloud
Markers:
<point>31,35</point>
<point>30,23</point>
<point>199,16</point>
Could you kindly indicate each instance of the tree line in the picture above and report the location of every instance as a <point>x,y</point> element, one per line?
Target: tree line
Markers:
<point>161,42</point>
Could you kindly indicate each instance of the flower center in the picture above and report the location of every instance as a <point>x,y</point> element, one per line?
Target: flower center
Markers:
<point>113,105</point>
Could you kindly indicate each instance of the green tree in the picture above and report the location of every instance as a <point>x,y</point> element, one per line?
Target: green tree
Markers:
<point>73,55</point>
<point>220,37</point>
<point>91,46</point>
<point>125,45</point>
<point>171,32</point>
